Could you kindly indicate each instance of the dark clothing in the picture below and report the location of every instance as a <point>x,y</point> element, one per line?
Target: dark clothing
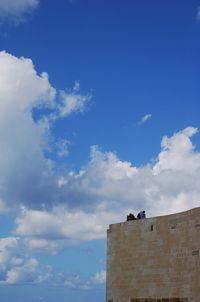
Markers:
<point>141,215</point>
<point>130,217</point>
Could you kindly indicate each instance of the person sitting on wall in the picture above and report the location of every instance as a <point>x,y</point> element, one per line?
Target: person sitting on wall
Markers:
<point>141,215</point>
<point>130,217</point>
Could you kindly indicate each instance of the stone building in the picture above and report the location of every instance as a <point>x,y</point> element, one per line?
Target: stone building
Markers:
<point>155,259</point>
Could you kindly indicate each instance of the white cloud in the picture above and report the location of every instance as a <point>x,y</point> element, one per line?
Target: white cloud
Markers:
<point>49,246</point>
<point>99,277</point>
<point>63,147</point>
<point>15,265</point>
<point>23,274</point>
<point>17,9</point>
<point>70,281</point>
<point>178,153</point>
<point>78,282</point>
<point>156,187</point>
<point>23,139</point>
<point>145,118</point>
<point>73,101</point>
<point>105,190</point>
<point>6,247</point>
<point>61,224</point>
<point>71,207</point>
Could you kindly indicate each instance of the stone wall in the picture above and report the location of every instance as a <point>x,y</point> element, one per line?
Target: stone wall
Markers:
<point>155,259</point>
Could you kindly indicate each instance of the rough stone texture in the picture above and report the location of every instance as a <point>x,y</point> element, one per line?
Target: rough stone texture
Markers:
<point>155,259</point>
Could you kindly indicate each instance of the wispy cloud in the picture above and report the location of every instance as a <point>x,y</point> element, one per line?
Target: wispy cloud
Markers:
<point>198,13</point>
<point>16,10</point>
<point>72,101</point>
<point>100,277</point>
<point>144,119</point>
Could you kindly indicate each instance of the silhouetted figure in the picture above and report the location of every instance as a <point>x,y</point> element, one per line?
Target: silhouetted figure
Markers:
<point>141,215</point>
<point>130,217</point>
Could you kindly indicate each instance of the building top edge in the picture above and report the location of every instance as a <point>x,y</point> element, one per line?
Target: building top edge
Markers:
<point>160,217</point>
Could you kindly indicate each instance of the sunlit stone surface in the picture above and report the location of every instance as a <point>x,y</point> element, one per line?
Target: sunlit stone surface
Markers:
<point>155,259</point>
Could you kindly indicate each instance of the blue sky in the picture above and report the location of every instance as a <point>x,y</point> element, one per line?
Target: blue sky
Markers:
<point>99,117</point>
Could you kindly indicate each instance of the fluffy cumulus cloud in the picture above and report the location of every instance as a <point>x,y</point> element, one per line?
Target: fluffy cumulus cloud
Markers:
<point>106,189</point>
<point>17,9</point>
<point>170,184</point>
<point>24,140</point>
<point>178,153</point>
<point>16,267</point>
<point>58,209</point>
<point>53,230</point>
